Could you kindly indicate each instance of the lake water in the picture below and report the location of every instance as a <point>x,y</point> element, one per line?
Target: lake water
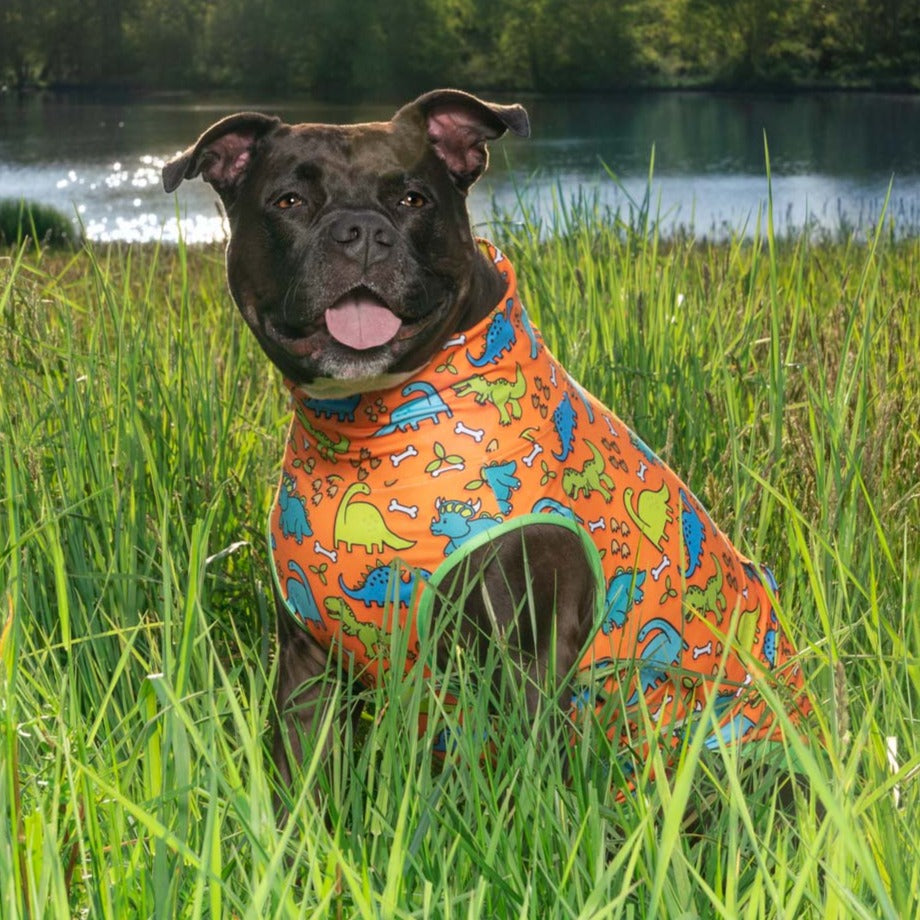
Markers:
<point>832,158</point>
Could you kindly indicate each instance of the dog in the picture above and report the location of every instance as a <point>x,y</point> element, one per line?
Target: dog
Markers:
<point>434,435</point>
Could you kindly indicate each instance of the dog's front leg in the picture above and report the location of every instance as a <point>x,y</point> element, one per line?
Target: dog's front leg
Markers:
<point>304,691</point>
<point>533,590</point>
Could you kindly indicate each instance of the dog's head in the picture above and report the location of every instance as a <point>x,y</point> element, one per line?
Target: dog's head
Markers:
<point>351,255</point>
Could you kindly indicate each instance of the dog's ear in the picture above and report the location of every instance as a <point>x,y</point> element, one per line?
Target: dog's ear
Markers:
<point>459,125</point>
<point>222,154</point>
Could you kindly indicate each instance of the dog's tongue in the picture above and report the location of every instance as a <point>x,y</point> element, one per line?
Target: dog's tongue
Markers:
<point>361,323</point>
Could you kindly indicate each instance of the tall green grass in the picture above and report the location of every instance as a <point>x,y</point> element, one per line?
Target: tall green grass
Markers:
<point>140,432</point>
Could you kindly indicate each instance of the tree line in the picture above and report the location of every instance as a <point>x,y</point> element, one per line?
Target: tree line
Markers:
<point>350,49</point>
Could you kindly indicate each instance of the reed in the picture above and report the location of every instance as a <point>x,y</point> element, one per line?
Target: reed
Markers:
<point>140,432</point>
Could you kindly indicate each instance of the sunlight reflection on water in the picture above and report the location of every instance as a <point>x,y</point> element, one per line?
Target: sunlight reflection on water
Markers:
<point>120,201</point>
<point>124,201</point>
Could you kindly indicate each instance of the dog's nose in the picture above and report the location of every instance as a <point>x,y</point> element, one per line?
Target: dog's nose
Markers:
<point>364,236</point>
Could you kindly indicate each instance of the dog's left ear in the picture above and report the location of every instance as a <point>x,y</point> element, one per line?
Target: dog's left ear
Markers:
<point>459,125</point>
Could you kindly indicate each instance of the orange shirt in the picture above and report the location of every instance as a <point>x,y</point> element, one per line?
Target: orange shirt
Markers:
<point>382,493</point>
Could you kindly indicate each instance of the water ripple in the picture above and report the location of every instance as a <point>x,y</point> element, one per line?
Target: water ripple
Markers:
<point>123,200</point>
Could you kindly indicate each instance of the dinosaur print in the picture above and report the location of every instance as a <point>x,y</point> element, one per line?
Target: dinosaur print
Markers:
<point>709,599</point>
<point>747,626</point>
<point>500,338</point>
<point>341,409</point>
<point>326,447</point>
<point>412,413</point>
<point>294,519</point>
<point>367,496</point>
<point>531,334</point>
<point>360,523</point>
<point>662,652</point>
<point>769,647</point>
<point>565,421</point>
<point>460,520</point>
<point>586,403</point>
<point>694,534</point>
<point>624,590</point>
<point>551,506</point>
<point>762,575</point>
<point>502,482</point>
<point>590,478</point>
<point>731,732</point>
<point>374,639</point>
<point>383,585</point>
<point>505,395</point>
<point>651,512</point>
<point>644,449</point>
<point>300,597</point>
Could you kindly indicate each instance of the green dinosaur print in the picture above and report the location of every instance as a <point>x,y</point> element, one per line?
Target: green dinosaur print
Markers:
<point>700,601</point>
<point>374,638</point>
<point>747,627</point>
<point>325,446</point>
<point>651,512</point>
<point>502,393</point>
<point>592,477</point>
<point>360,523</point>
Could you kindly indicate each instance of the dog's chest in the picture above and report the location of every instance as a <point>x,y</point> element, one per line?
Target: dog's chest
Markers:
<point>491,430</point>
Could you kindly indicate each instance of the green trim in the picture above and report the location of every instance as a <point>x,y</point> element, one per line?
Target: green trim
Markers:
<point>460,556</point>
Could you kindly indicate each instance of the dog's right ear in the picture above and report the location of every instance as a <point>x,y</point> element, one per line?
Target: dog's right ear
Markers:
<point>222,154</point>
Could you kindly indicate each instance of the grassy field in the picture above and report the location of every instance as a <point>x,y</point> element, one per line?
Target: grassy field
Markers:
<point>140,435</point>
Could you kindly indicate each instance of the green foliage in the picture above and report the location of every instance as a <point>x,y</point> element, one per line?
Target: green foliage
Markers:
<point>384,50</point>
<point>20,220</point>
<point>140,431</point>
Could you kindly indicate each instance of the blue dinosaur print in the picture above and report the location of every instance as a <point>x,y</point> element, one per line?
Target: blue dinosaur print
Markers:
<point>662,651</point>
<point>447,739</point>
<point>764,575</point>
<point>343,409</point>
<point>460,521</point>
<point>565,421</point>
<point>442,740</point>
<point>500,337</point>
<point>644,449</point>
<point>300,597</point>
<point>502,481</point>
<point>758,575</point>
<point>584,400</point>
<point>769,647</point>
<point>413,412</point>
<point>732,731</point>
<point>694,534</point>
<point>551,506</point>
<point>624,590</point>
<point>531,334</point>
<point>377,588</point>
<point>768,575</point>
<point>294,520</point>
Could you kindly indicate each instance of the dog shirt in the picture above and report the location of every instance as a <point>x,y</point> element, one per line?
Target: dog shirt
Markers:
<point>383,494</point>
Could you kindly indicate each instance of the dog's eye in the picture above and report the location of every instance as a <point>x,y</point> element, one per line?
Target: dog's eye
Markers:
<point>289,200</point>
<point>414,200</point>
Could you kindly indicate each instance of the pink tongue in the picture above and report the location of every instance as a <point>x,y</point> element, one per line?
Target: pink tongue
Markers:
<point>361,324</point>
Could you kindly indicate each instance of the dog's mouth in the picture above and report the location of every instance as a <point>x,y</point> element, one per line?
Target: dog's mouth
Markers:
<point>361,321</point>
<point>358,336</point>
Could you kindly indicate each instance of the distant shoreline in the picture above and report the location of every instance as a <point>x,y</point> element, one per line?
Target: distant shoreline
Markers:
<point>133,94</point>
